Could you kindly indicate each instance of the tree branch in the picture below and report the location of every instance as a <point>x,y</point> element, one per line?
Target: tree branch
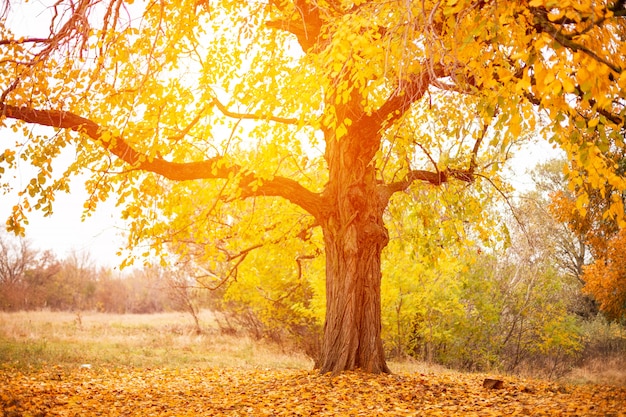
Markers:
<point>614,118</point>
<point>367,128</point>
<point>438,177</point>
<point>542,24</point>
<point>434,178</point>
<point>211,168</point>
<point>305,22</point>
<point>242,116</point>
<point>407,94</point>
<point>24,40</point>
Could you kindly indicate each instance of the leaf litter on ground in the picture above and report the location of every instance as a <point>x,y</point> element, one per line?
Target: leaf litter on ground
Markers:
<point>238,392</point>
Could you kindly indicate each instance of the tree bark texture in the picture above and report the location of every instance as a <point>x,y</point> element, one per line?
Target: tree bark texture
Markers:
<point>354,236</point>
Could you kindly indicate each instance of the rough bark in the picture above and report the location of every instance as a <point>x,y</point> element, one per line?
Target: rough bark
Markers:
<point>354,237</point>
<point>352,332</point>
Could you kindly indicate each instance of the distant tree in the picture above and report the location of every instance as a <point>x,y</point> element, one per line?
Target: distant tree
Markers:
<point>543,212</point>
<point>73,285</point>
<point>111,294</point>
<point>600,235</point>
<point>40,281</point>
<point>16,257</point>
<point>605,278</point>
<point>544,218</point>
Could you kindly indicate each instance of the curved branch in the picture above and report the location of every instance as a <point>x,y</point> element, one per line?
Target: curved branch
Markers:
<point>235,115</point>
<point>435,178</point>
<point>305,22</point>
<point>211,168</point>
<point>367,128</point>
<point>407,94</point>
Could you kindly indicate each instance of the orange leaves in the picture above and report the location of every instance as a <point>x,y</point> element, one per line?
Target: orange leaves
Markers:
<point>605,279</point>
<point>291,393</point>
<point>595,213</point>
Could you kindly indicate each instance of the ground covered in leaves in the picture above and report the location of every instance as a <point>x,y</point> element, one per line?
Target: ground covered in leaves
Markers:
<point>232,392</point>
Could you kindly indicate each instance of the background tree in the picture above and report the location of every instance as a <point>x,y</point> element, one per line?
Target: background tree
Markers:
<point>194,113</point>
<point>605,279</point>
<point>500,300</point>
<point>544,211</point>
<point>602,235</point>
<point>16,257</point>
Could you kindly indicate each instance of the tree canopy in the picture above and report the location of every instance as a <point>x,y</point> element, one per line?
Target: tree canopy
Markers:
<point>192,113</point>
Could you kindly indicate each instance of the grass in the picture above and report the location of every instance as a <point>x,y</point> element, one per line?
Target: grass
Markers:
<point>605,371</point>
<point>54,363</point>
<point>37,339</point>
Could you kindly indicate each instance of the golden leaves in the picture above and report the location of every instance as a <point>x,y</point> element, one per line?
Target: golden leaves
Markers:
<point>292,393</point>
<point>605,279</point>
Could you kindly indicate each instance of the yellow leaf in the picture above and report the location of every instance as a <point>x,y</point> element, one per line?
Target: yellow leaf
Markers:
<point>568,85</point>
<point>341,131</point>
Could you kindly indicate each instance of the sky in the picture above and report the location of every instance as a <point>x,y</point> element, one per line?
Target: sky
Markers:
<point>100,235</point>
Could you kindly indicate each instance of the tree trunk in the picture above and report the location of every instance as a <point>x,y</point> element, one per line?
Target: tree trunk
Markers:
<point>354,236</point>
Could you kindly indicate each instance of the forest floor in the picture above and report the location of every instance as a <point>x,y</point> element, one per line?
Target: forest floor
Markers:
<point>98,364</point>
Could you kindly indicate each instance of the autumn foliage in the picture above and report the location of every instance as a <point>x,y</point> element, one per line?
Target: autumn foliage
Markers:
<point>606,278</point>
<point>224,127</point>
<point>217,392</point>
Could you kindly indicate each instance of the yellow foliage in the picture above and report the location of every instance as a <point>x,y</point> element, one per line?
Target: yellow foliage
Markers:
<point>195,114</point>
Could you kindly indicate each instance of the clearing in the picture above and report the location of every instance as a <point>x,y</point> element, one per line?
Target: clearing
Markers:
<point>102,364</point>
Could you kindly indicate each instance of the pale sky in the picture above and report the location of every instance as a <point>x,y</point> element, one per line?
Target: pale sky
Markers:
<point>100,235</point>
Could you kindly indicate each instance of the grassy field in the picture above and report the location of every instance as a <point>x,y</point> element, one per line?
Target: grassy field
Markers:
<point>100,364</point>
<point>67,340</point>
<point>37,339</point>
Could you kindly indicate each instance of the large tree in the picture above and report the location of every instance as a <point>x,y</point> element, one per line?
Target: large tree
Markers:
<point>189,111</point>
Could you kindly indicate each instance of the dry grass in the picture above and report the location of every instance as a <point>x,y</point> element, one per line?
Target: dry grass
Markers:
<point>606,371</point>
<point>36,339</point>
<point>158,365</point>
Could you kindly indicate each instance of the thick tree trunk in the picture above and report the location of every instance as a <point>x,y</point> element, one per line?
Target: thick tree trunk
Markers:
<point>354,236</point>
<point>352,333</point>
